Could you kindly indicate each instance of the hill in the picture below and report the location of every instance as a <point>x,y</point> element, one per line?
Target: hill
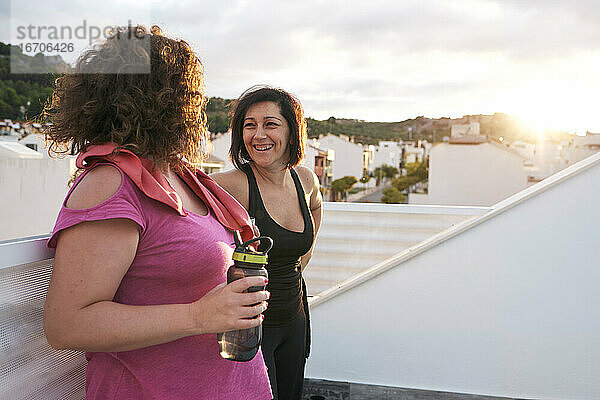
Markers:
<point>431,129</point>
<point>23,95</point>
<point>217,116</point>
<point>419,128</point>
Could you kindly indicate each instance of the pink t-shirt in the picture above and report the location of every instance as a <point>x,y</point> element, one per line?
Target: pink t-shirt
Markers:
<point>178,260</point>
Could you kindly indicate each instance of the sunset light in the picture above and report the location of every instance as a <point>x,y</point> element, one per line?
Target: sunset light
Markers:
<point>558,112</point>
<point>391,63</point>
<point>557,98</point>
<point>421,176</point>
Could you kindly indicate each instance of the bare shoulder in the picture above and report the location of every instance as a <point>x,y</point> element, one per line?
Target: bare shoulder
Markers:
<point>309,180</point>
<point>97,186</point>
<point>235,182</point>
<point>230,180</point>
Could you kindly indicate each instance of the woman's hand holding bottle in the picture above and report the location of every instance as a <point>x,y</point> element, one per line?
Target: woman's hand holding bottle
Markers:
<point>230,307</point>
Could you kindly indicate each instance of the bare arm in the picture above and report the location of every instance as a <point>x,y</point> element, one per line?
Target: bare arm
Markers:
<point>90,261</point>
<point>316,209</point>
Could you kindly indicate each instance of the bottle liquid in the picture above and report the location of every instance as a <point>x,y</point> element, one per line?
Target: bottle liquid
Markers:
<point>242,345</point>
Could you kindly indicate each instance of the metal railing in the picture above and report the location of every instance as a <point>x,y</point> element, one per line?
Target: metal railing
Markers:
<point>29,368</point>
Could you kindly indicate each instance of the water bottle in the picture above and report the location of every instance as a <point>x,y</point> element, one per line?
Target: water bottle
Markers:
<point>242,345</point>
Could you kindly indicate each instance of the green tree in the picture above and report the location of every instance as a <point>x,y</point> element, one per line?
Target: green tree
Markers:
<point>217,123</point>
<point>391,195</point>
<point>415,173</point>
<point>402,183</point>
<point>217,114</point>
<point>10,96</point>
<point>418,169</point>
<point>385,171</point>
<point>6,110</point>
<point>341,186</point>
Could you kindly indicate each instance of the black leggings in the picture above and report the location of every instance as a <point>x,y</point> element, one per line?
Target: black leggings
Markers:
<point>283,349</point>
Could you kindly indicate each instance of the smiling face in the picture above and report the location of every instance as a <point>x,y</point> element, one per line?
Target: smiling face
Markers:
<point>266,135</point>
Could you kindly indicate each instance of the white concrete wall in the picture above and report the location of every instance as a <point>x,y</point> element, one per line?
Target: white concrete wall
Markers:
<point>357,236</point>
<point>370,150</point>
<point>414,153</point>
<point>32,192</point>
<point>472,175</point>
<point>38,140</point>
<point>9,138</point>
<point>387,152</point>
<point>418,198</point>
<point>348,156</point>
<point>508,307</point>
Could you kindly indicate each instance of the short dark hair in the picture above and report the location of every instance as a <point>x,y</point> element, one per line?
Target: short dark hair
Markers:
<point>289,107</point>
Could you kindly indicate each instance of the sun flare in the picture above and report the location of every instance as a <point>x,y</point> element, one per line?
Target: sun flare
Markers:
<point>556,106</point>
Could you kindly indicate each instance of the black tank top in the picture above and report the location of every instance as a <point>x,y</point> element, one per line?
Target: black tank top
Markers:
<point>285,279</point>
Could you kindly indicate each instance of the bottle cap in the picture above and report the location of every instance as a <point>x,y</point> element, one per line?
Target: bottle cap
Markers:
<point>251,258</point>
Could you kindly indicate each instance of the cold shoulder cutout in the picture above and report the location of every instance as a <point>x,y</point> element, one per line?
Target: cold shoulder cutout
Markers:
<point>99,185</point>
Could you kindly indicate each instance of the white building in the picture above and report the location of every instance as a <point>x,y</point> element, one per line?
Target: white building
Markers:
<point>525,149</point>
<point>212,164</point>
<point>386,152</point>
<point>547,159</point>
<point>320,160</point>
<point>416,151</point>
<point>9,131</point>
<point>369,152</point>
<point>37,142</point>
<point>220,149</point>
<point>9,135</point>
<point>11,149</point>
<point>459,130</point>
<point>33,189</point>
<point>350,157</point>
<point>582,147</point>
<point>479,174</point>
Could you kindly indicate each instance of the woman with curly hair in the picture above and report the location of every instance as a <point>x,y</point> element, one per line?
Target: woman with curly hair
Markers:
<point>144,239</point>
<point>268,135</point>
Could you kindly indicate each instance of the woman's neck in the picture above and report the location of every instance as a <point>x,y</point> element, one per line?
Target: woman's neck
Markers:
<point>275,176</point>
<point>167,172</point>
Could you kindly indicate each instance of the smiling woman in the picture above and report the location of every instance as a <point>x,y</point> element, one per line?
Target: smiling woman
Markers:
<point>266,134</point>
<point>268,137</point>
<point>273,106</point>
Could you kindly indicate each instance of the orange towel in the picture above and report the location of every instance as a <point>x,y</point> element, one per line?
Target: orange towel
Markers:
<point>230,213</point>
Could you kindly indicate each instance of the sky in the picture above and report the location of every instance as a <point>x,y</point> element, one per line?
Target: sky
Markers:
<point>377,60</point>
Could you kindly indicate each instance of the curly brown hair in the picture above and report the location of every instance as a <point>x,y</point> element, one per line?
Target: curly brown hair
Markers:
<point>157,113</point>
